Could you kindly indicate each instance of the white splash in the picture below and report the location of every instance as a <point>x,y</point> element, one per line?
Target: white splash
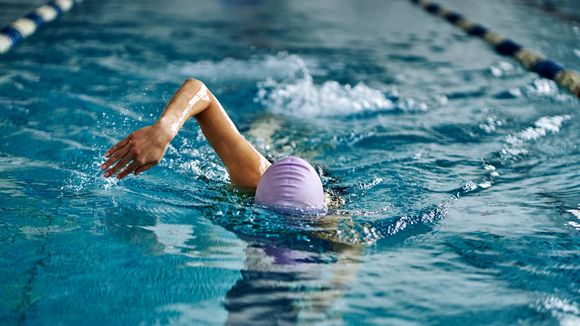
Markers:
<point>502,68</point>
<point>515,144</point>
<point>469,186</point>
<point>490,124</point>
<point>565,311</point>
<point>575,213</point>
<point>286,86</point>
<point>303,97</point>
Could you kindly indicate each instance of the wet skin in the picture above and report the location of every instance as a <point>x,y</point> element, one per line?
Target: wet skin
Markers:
<point>145,147</point>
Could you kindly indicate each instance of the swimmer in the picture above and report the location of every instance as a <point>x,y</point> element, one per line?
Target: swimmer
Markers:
<point>290,185</point>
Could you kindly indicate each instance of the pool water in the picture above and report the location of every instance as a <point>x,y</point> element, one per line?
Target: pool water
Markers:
<point>454,169</point>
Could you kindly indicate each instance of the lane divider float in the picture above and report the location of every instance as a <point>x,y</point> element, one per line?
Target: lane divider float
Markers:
<point>535,62</point>
<point>23,27</point>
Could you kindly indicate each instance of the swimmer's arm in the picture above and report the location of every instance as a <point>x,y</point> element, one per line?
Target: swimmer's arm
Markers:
<point>145,147</point>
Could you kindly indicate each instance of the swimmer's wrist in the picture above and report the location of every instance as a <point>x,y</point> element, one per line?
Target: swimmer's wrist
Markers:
<point>167,132</point>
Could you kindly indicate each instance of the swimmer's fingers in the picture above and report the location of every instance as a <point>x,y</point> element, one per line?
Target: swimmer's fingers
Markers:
<point>117,147</point>
<point>130,168</point>
<point>115,157</point>
<point>122,162</point>
<point>144,168</point>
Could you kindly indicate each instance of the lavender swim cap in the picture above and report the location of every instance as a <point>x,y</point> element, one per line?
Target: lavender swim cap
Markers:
<point>291,186</point>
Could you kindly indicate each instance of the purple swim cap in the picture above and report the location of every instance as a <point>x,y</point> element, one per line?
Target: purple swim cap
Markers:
<point>291,185</point>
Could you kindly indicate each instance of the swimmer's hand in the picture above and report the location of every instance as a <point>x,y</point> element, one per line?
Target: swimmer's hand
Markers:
<point>138,152</point>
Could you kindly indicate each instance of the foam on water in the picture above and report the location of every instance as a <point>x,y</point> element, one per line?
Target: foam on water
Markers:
<point>576,214</point>
<point>304,97</point>
<point>286,86</point>
<point>515,144</point>
<point>567,312</point>
<point>299,95</point>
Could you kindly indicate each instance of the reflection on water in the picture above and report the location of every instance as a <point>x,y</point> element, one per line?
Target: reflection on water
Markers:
<point>285,278</point>
<point>280,285</point>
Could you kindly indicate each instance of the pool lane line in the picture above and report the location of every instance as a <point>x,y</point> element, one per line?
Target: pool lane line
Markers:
<point>535,62</point>
<point>25,26</point>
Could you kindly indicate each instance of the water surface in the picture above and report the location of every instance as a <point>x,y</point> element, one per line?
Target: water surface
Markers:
<point>457,169</point>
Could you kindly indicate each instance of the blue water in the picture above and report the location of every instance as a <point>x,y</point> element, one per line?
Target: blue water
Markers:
<point>454,171</point>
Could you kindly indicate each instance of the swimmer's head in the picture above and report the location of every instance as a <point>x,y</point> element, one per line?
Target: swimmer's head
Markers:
<point>291,185</point>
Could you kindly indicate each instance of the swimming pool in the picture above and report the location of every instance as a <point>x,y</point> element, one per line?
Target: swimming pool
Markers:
<point>458,170</point>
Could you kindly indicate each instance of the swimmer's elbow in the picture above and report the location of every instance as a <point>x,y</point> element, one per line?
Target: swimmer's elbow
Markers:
<point>192,83</point>
<point>245,179</point>
<point>248,172</point>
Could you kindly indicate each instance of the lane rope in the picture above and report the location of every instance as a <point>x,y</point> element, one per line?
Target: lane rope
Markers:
<point>25,26</point>
<point>535,62</point>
